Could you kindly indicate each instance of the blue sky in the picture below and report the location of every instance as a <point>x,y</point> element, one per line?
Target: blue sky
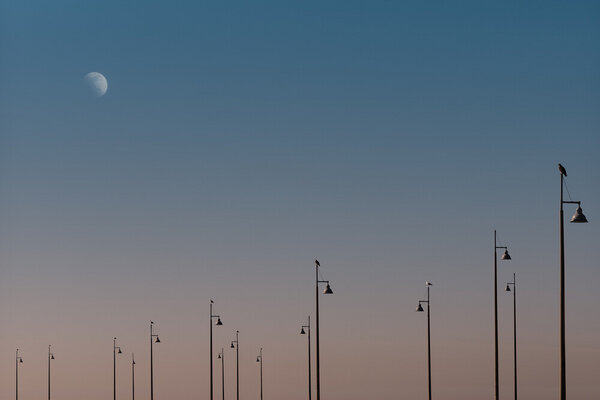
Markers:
<point>239,141</point>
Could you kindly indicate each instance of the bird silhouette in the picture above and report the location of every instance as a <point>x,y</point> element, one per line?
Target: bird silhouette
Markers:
<point>562,169</point>
<point>317,263</point>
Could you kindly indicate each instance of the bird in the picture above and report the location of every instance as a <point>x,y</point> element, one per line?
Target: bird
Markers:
<point>317,263</point>
<point>427,283</point>
<point>562,170</point>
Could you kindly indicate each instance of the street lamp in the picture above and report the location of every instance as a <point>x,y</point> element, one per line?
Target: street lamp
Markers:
<point>50,357</point>
<point>132,377</point>
<point>221,356</point>
<point>505,256</point>
<point>514,285</point>
<point>18,360</point>
<point>115,348</point>
<point>218,323</point>
<point>153,339</point>
<point>303,332</point>
<point>235,344</point>
<point>578,217</point>
<point>326,291</point>
<point>259,359</point>
<point>420,309</point>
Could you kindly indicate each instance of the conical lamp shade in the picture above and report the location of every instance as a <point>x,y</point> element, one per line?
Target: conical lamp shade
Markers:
<point>328,290</point>
<point>506,256</point>
<point>302,332</point>
<point>419,308</point>
<point>507,288</point>
<point>578,217</point>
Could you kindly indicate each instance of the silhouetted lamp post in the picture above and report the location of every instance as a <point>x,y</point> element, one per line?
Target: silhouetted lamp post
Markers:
<point>505,256</point>
<point>50,358</point>
<point>303,332</point>
<point>514,285</point>
<point>18,360</point>
<point>235,344</point>
<point>259,359</point>
<point>132,377</point>
<point>115,350</point>
<point>153,339</point>
<point>218,323</point>
<point>221,356</point>
<point>326,291</point>
<point>420,309</point>
<point>578,217</point>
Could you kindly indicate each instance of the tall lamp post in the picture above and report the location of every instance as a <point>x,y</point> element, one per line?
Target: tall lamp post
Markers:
<point>219,323</point>
<point>153,339</point>
<point>514,285</point>
<point>235,344</point>
<point>326,291</point>
<point>132,377</point>
<point>115,349</point>
<point>50,357</point>
<point>303,332</point>
<point>259,359</point>
<point>578,217</point>
<point>221,356</point>
<point>18,360</point>
<point>505,256</point>
<point>420,309</point>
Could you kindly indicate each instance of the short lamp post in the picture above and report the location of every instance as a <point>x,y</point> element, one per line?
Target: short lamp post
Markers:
<point>505,256</point>
<point>326,291</point>
<point>578,217</point>
<point>235,344</point>
<point>132,377</point>
<point>50,358</point>
<point>18,360</point>
<point>303,332</point>
<point>221,356</point>
<point>153,339</point>
<point>420,309</point>
<point>514,291</point>
<point>259,359</point>
<point>218,323</point>
<point>116,349</point>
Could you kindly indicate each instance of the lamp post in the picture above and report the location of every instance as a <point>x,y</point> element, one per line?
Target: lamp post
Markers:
<point>237,362</point>
<point>259,359</point>
<point>153,339</point>
<point>505,256</point>
<point>219,323</point>
<point>578,217</point>
<point>18,360</point>
<point>50,357</point>
<point>303,332</point>
<point>115,348</point>
<point>326,291</point>
<point>132,377</point>
<point>221,356</point>
<point>420,309</point>
<point>514,285</point>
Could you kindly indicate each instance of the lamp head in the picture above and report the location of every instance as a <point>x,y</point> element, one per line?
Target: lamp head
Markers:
<point>257,359</point>
<point>328,290</point>
<point>506,256</point>
<point>157,340</point>
<point>419,308</point>
<point>120,352</point>
<point>232,346</point>
<point>578,217</point>
<point>219,356</point>
<point>52,356</point>
<point>507,288</point>
<point>219,323</point>
<point>302,332</point>
<point>21,360</point>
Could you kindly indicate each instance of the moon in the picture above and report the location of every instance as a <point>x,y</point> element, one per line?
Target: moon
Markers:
<point>97,83</point>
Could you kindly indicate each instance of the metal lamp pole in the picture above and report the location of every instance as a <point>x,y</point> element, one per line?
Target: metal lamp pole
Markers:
<point>132,377</point>
<point>303,332</point>
<point>50,357</point>
<point>420,309</point>
<point>115,348</point>
<point>326,291</point>
<point>514,285</point>
<point>222,357</point>
<point>237,362</point>
<point>18,360</point>
<point>577,218</point>
<point>505,256</point>
<point>259,359</point>
<point>219,323</point>
<point>153,339</point>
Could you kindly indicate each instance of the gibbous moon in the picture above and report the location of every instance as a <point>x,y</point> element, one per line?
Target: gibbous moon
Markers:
<point>97,83</point>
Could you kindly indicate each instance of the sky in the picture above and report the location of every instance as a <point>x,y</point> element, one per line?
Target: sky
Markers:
<point>239,141</point>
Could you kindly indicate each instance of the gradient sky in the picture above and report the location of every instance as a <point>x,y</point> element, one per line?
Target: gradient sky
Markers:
<point>239,141</point>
